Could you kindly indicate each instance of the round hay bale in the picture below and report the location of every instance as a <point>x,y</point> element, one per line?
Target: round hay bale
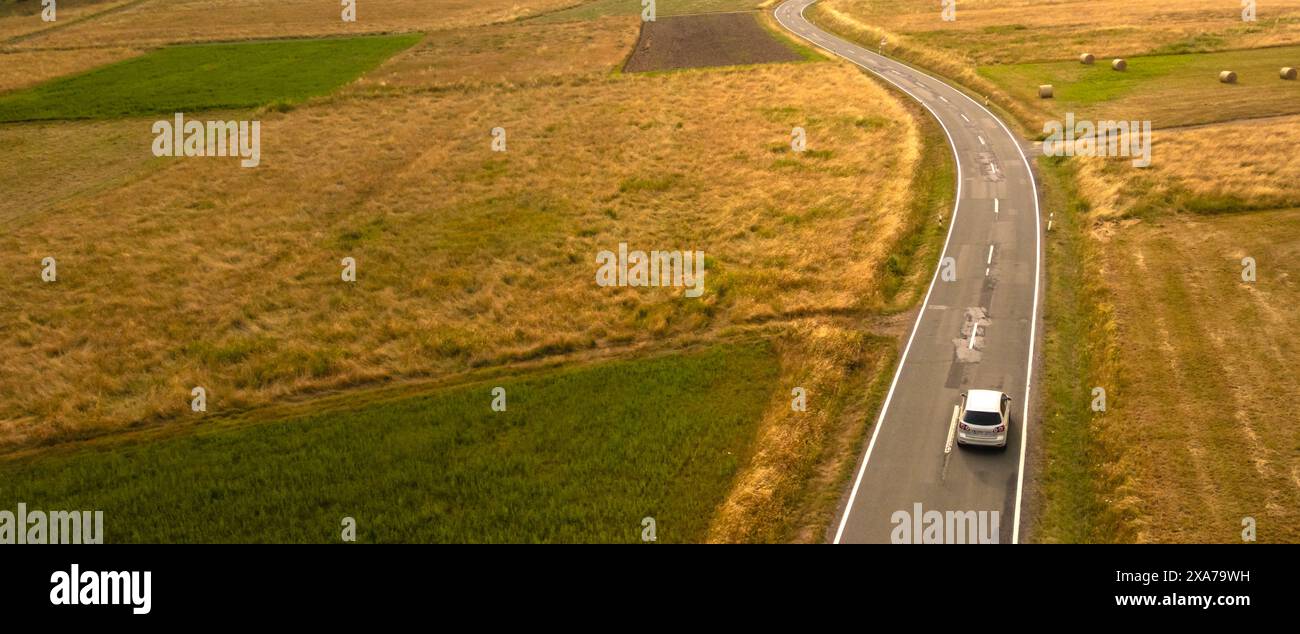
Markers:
<point>1119,64</point>
<point>1087,58</point>
<point>1288,73</point>
<point>1228,77</point>
<point>1045,91</point>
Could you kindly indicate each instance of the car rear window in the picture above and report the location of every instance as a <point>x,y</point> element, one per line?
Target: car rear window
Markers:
<point>985,419</point>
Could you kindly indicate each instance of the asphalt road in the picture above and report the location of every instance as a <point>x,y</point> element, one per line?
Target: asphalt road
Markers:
<point>994,242</point>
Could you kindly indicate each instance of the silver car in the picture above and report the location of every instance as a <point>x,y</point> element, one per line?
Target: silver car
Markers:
<point>985,418</point>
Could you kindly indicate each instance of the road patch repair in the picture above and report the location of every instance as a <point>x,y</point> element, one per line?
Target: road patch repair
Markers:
<point>969,346</point>
<point>699,41</point>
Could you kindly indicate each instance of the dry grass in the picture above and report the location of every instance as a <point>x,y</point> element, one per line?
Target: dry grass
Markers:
<point>788,488</point>
<point>17,22</point>
<point>1223,167</point>
<point>1205,406</point>
<point>207,274</point>
<point>20,69</point>
<point>513,53</point>
<point>1252,160</point>
<point>156,22</point>
<point>60,161</point>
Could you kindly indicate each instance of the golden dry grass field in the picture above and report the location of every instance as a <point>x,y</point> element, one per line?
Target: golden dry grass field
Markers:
<point>21,18</point>
<point>23,68</point>
<point>210,274</point>
<point>516,53</point>
<point>175,273</point>
<point>1227,167</point>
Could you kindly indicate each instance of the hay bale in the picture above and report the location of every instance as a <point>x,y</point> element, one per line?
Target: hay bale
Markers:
<point>1228,77</point>
<point>1288,73</point>
<point>1119,64</point>
<point>1087,58</point>
<point>1045,91</point>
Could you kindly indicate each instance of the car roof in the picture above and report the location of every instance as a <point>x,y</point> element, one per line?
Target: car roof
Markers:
<point>984,400</point>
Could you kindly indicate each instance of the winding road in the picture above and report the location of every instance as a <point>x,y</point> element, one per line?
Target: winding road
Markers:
<point>977,331</point>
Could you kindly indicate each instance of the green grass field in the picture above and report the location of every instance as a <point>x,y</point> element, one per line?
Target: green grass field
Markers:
<point>205,77</point>
<point>601,8</point>
<point>1168,90</point>
<point>580,455</point>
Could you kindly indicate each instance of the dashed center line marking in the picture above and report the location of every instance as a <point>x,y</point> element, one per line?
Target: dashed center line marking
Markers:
<point>990,260</point>
<point>952,429</point>
<point>944,99</point>
<point>982,141</point>
<point>963,115</point>
<point>995,206</point>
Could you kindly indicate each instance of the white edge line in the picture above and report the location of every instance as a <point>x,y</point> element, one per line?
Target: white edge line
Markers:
<point>857,482</point>
<point>1033,322</point>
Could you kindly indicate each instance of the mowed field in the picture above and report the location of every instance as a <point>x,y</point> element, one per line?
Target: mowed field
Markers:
<point>1205,397</point>
<point>723,39</point>
<point>1167,90</point>
<point>589,9</point>
<point>174,273</point>
<point>1200,421</point>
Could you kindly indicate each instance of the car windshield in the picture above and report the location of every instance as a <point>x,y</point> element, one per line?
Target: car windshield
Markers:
<point>985,419</point>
